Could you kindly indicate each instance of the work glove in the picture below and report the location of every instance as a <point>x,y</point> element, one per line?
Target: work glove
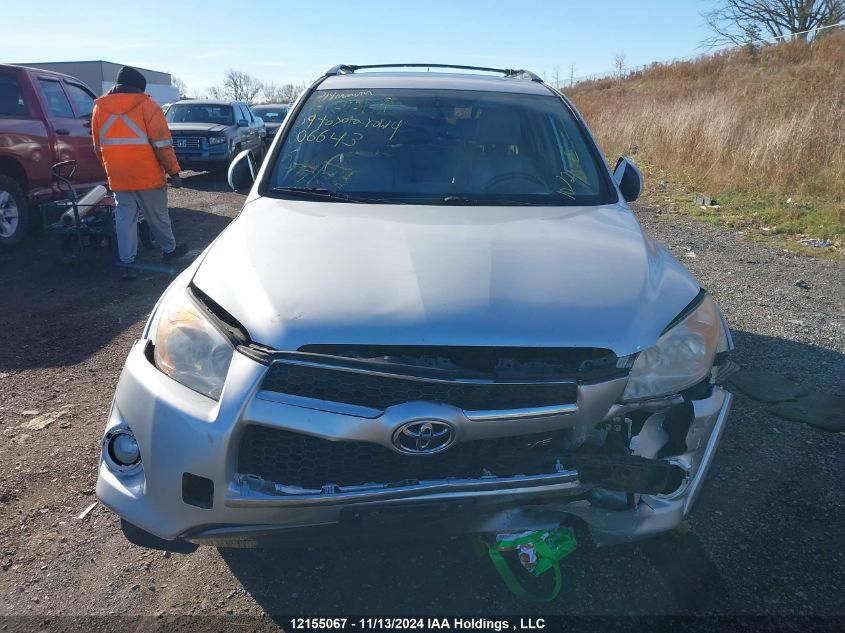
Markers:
<point>176,181</point>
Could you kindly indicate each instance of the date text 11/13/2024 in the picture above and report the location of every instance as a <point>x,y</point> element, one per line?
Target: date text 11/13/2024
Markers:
<point>423,624</point>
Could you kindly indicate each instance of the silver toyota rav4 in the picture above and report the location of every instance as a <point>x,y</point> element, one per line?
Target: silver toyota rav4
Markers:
<point>435,309</point>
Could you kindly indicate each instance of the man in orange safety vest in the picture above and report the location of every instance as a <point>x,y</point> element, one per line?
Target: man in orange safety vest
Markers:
<point>133,142</point>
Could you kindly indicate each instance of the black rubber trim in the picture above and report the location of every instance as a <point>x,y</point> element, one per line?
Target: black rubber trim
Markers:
<point>258,353</point>
<point>224,321</point>
<point>689,309</point>
<point>197,491</point>
<point>142,538</point>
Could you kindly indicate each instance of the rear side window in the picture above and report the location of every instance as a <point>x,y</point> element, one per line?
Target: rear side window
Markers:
<point>82,100</point>
<point>56,99</point>
<point>11,97</point>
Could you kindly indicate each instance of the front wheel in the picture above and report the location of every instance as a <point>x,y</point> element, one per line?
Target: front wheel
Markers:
<point>14,213</point>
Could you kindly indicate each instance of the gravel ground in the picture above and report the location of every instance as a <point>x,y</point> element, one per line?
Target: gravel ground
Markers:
<point>765,536</point>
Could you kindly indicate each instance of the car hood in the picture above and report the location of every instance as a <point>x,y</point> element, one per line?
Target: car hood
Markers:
<point>296,273</point>
<point>197,127</point>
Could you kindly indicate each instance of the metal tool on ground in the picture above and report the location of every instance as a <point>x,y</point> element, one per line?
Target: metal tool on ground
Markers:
<point>77,231</point>
<point>87,205</point>
<point>80,227</point>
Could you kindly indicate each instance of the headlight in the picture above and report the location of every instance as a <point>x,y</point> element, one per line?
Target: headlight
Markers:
<point>188,347</point>
<point>216,140</point>
<point>682,357</point>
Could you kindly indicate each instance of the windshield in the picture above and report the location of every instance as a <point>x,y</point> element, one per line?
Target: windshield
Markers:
<point>200,113</point>
<point>271,115</point>
<point>439,147</point>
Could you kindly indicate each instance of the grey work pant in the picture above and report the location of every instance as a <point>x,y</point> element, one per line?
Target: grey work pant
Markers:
<point>153,204</point>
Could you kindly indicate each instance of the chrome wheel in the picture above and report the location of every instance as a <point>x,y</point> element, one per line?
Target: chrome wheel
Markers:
<point>9,214</point>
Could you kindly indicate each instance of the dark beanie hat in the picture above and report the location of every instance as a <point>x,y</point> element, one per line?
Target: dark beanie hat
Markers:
<point>128,76</point>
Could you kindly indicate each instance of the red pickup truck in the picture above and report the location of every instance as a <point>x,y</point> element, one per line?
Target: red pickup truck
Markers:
<point>45,117</point>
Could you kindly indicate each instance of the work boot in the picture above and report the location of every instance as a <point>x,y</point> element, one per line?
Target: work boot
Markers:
<point>129,271</point>
<point>176,254</point>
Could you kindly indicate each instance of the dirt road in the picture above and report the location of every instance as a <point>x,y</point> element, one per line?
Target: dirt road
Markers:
<point>764,538</point>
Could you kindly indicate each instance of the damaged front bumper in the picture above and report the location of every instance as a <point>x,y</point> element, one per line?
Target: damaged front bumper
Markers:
<point>189,483</point>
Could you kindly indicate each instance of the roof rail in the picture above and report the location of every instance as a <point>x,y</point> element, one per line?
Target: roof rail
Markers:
<point>343,69</point>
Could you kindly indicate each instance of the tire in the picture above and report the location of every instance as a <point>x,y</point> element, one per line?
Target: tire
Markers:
<point>14,213</point>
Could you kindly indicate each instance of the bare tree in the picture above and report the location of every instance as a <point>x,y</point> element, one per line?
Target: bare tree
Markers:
<point>619,66</point>
<point>180,85</point>
<point>286,93</point>
<point>237,86</point>
<point>743,21</point>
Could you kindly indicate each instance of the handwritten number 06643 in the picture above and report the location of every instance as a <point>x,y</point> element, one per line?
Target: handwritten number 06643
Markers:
<point>324,135</point>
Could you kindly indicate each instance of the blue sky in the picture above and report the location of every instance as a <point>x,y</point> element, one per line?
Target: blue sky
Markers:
<point>285,41</point>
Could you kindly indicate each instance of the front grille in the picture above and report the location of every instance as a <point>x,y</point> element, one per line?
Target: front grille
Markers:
<point>295,459</point>
<point>187,142</point>
<point>495,362</point>
<point>355,386</point>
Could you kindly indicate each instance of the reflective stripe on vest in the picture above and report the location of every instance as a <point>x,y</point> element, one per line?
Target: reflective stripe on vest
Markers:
<point>165,143</point>
<point>141,139</point>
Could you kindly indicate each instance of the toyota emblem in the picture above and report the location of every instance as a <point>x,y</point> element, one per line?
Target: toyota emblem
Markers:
<point>423,437</point>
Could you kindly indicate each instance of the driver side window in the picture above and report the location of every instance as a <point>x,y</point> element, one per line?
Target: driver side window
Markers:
<point>242,114</point>
<point>83,101</point>
<point>56,99</point>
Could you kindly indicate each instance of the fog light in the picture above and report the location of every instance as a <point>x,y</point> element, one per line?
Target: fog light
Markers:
<point>123,448</point>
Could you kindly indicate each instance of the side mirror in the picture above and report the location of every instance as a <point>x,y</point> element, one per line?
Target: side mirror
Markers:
<point>628,178</point>
<point>243,123</point>
<point>242,171</point>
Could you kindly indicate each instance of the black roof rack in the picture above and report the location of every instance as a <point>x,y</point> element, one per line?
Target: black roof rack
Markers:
<point>511,73</point>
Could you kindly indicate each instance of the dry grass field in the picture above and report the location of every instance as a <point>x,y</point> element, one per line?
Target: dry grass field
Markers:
<point>763,130</point>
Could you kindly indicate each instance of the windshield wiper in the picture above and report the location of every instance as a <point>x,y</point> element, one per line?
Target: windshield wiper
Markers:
<point>317,192</point>
<point>460,200</point>
<point>327,194</point>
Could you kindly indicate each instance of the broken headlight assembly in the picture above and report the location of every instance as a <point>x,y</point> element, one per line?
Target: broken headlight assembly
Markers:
<point>683,355</point>
<point>189,347</point>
